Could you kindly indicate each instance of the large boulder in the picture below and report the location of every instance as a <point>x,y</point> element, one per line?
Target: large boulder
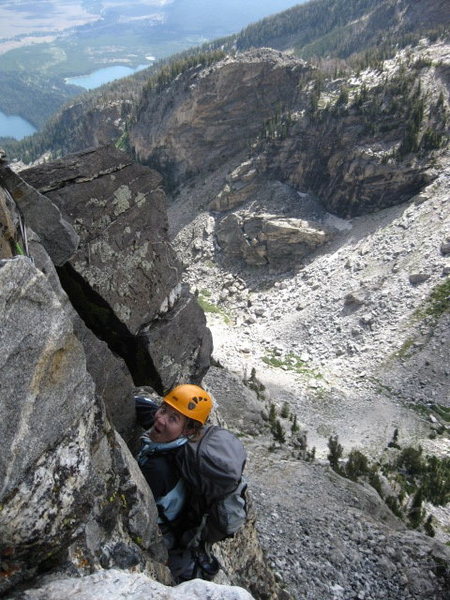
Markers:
<point>261,239</point>
<point>120,585</point>
<point>124,279</point>
<point>70,492</point>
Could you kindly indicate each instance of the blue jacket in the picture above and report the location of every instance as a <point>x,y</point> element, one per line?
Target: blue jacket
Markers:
<point>158,464</point>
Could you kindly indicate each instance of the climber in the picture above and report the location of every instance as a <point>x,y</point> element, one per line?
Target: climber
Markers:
<point>178,419</point>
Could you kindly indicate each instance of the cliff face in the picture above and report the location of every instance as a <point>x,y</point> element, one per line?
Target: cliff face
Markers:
<point>209,114</point>
<point>73,501</point>
<point>124,278</point>
<point>85,124</point>
<point>70,493</point>
<point>246,138</point>
<point>342,139</point>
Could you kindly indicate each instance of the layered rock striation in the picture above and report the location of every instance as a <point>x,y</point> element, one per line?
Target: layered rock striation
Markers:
<point>124,277</point>
<point>239,137</point>
<point>206,115</point>
<point>76,515</point>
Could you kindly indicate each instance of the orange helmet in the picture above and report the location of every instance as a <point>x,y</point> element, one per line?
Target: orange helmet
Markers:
<point>191,401</point>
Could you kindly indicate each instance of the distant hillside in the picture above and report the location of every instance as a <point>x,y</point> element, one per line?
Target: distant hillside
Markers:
<point>48,94</point>
<point>340,28</point>
<point>364,31</point>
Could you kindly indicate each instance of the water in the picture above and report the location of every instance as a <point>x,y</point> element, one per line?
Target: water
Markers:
<point>15,127</point>
<point>216,18</point>
<point>102,76</point>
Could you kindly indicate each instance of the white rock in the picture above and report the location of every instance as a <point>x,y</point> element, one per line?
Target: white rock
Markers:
<point>122,585</point>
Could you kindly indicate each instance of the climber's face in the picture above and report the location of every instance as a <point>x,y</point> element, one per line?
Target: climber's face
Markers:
<point>168,425</point>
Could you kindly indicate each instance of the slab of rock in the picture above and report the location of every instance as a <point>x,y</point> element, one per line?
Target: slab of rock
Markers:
<point>69,487</point>
<point>56,234</point>
<point>124,279</point>
<point>417,278</point>
<point>125,585</point>
<point>118,210</point>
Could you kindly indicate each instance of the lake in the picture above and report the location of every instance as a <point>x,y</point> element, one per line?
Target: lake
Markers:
<point>15,127</point>
<point>102,76</point>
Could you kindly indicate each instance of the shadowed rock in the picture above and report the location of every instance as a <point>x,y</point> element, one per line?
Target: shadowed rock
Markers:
<point>124,279</point>
<point>68,485</point>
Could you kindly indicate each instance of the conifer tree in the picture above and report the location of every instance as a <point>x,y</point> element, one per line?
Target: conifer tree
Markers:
<point>278,432</point>
<point>416,513</point>
<point>335,453</point>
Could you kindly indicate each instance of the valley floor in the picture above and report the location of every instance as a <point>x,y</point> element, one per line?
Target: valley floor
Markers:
<point>342,343</point>
<point>339,340</point>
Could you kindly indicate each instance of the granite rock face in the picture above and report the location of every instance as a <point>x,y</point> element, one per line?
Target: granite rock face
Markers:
<point>124,277</point>
<point>44,217</point>
<point>69,486</point>
<point>116,584</point>
<point>73,501</point>
<point>224,134</point>
<point>24,205</point>
<point>210,114</point>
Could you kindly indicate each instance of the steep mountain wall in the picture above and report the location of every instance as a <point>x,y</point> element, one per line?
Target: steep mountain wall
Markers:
<point>70,492</point>
<point>73,502</point>
<point>124,278</point>
<point>209,114</point>
<point>359,143</point>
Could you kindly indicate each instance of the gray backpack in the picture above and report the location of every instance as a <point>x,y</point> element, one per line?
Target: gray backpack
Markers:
<point>213,468</point>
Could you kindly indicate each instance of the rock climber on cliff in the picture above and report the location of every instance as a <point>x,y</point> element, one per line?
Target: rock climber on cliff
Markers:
<point>195,474</point>
<point>179,418</point>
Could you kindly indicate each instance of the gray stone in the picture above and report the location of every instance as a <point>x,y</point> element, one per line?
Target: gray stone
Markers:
<point>357,298</point>
<point>113,382</point>
<point>125,585</point>
<point>124,279</point>
<point>43,364</point>
<point>235,97</point>
<point>118,210</point>
<point>418,278</point>
<point>68,484</point>
<point>179,343</point>
<point>445,247</point>
<point>267,239</point>
<point>43,216</point>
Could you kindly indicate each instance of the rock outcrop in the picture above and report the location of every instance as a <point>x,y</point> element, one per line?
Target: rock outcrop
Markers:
<point>124,277</point>
<point>116,585</point>
<point>228,135</point>
<point>70,491</point>
<point>269,239</point>
<point>42,216</point>
<point>74,506</point>
<point>208,114</point>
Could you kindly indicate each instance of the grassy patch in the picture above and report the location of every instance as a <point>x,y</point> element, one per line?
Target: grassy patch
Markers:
<point>383,389</point>
<point>290,362</point>
<point>442,411</point>
<point>406,349</point>
<point>209,307</point>
<point>433,307</point>
<point>437,303</point>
